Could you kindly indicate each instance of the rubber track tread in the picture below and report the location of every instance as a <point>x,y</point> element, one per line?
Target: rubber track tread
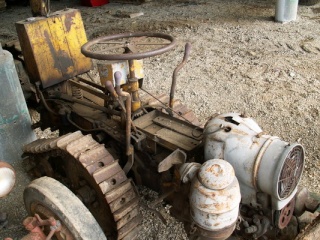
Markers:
<point>107,173</point>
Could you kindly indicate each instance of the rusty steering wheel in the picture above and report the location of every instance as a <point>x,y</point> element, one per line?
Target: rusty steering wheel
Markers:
<point>129,42</point>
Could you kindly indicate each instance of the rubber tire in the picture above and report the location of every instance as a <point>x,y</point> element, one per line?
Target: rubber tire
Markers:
<point>68,208</point>
<point>308,2</point>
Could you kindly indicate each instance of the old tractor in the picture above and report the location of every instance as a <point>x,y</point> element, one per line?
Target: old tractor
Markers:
<point>226,179</point>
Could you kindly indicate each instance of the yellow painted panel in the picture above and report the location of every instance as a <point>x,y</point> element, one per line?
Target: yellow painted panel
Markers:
<point>107,70</point>
<point>138,68</point>
<point>52,46</point>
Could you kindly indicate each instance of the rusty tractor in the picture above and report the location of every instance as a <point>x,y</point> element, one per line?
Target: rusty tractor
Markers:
<point>227,179</point>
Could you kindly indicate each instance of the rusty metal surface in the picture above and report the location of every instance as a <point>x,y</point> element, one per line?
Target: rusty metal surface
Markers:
<point>35,226</point>
<point>109,170</point>
<point>256,166</point>
<point>127,96</point>
<point>216,208</point>
<point>176,157</point>
<point>166,122</point>
<point>55,42</point>
<point>131,215</point>
<point>188,171</point>
<point>118,191</point>
<point>291,171</point>
<point>175,73</point>
<point>110,181</point>
<point>88,89</point>
<point>180,111</point>
<point>216,174</point>
<point>216,235</point>
<point>283,216</point>
<point>169,131</point>
<point>85,49</point>
<point>129,227</point>
<point>262,163</point>
<point>30,223</point>
<point>119,214</point>
<point>118,203</point>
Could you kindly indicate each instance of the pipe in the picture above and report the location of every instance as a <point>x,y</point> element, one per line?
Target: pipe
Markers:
<point>134,87</point>
<point>117,77</point>
<point>44,100</point>
<point>59,95</point>
<point>176,70</point>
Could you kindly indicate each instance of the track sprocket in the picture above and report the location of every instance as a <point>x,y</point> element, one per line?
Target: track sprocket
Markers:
<point>90,171</point>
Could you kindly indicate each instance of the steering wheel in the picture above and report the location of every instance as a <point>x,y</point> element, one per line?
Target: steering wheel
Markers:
<point>130,44</point>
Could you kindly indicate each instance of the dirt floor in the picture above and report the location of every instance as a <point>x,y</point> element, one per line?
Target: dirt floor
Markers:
<point>241,61</point>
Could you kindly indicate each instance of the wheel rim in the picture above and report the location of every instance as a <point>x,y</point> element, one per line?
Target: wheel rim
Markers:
<point>46,213</point>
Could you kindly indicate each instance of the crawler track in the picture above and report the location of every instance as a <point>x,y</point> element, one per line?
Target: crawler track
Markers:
<point>91,172</point>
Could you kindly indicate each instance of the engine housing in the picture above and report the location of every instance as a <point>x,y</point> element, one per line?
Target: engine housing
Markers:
<point>262,163</point>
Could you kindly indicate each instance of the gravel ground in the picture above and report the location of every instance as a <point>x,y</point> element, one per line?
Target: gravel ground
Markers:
<point>241,61</point>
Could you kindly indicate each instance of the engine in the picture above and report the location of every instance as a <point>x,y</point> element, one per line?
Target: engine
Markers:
<point>268,168</point>
<point>268,171</point>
